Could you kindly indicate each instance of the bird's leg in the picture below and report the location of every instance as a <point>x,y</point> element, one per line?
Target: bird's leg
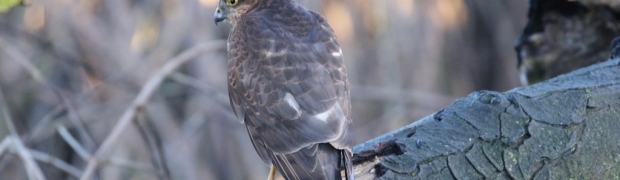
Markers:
<point>272,172</point>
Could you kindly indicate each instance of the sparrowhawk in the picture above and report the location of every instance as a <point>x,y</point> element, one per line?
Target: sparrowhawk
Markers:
<point>288,84</point>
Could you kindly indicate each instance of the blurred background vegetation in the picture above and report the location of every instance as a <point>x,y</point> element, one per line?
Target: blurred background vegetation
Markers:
<point>69,69</point>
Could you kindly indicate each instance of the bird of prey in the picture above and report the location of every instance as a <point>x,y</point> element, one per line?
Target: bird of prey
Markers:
<point>288,84</point>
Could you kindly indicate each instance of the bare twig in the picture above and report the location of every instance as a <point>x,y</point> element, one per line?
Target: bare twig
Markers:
<point>75,145</point>
<point>221,98</point>
<point>89,142</point>
<point>192,125</point>
<point>64,133</point>
<point>4,148</point>
<point>43,124</point>
<point>33,169</point>
<point>143,96</point>
<point>153,142</point>
<point>4,145</point>
<point>22,60</point>
<point>19,57</point>
<point>58,163</point>
<point>7,143</point>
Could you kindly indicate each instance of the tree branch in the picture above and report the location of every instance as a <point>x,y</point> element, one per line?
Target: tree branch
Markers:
<point>32,168</point>
<point>544,131</point>
<point>145,93</point>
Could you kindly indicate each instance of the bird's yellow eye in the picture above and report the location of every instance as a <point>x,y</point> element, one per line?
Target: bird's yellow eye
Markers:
<point>231,2</point>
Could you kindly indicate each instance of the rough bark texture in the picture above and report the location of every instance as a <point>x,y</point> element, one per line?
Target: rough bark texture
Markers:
<point>563,128</point>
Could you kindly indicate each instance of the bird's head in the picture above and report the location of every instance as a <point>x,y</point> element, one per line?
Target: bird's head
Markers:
<point>230,10</point>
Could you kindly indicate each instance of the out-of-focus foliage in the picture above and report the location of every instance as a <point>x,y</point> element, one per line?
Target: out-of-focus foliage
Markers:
<point>5,5</point>
<point>406,59</point>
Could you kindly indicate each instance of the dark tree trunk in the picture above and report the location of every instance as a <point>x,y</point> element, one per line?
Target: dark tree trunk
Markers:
<point>561,36</point>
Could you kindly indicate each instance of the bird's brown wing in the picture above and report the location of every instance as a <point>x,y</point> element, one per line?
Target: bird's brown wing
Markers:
<point>288,83</point>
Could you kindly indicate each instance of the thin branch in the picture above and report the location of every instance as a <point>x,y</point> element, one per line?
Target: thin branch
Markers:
<point>43,124</point>
<point>33,169</point>
<point>19,57</point>
<point>58,163</point>
<point>143,96</point>
<point>89,141</point>
<point>64,133</point>
<point>4,145</point>
<point>194,124</point>
<point>22,60</point>
<point>153,142</point>
<point>221,98</point>
<point>4,148</point>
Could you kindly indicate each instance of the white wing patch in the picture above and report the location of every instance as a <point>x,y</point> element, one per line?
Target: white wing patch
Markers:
<point>271,51</point>
<point>337,54</point>
<point>324,115</point>
<point>336,110</point>
<point>288,97</point>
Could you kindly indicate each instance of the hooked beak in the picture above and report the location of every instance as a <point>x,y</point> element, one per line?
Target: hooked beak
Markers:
<point>218,16</point>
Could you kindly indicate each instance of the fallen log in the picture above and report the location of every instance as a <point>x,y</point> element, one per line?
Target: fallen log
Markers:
<point>567,127</point>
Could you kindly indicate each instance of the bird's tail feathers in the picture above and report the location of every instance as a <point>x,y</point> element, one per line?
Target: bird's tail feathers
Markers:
<point>348,164</point>
<point>317,161</point>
